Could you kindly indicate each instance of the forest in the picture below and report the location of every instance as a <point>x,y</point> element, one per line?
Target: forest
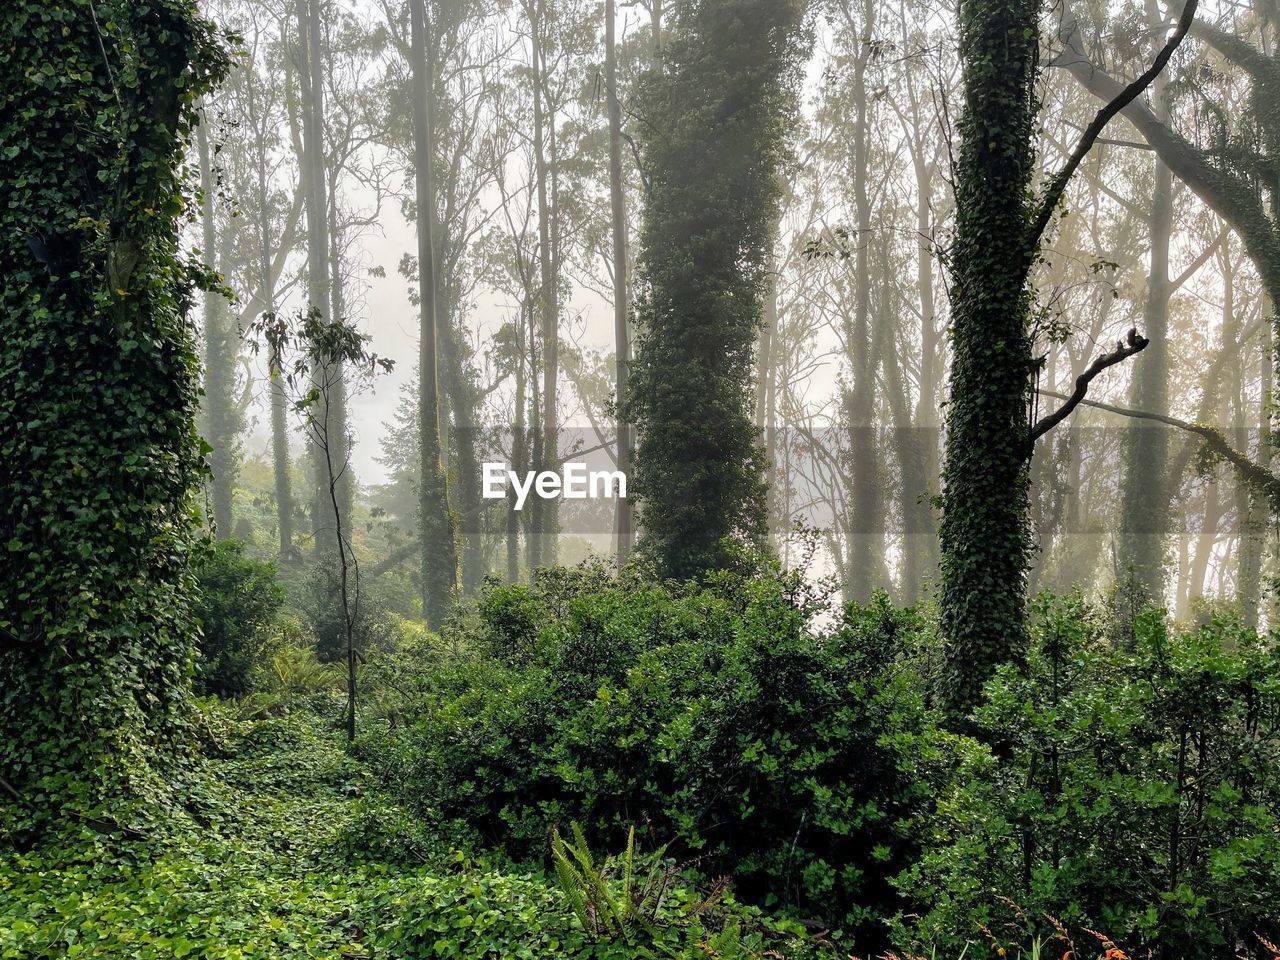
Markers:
<point>638,479</point>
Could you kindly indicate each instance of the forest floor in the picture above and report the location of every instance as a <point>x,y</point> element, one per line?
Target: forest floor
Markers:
<point>288,851</point>
<point>263,870</point>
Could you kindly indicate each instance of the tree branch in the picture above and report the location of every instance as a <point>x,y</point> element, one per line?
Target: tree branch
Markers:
<point>1249,471</point>
<point>1058,186</point>
<point>1136,343</point>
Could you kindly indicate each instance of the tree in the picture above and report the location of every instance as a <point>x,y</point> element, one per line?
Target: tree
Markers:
<point>436,527</point>
<point>309,52</point>
<point>325,352</point>
<point>717,115</point>
<point>625,523</point>
<point>220,419</point>
<point>1000,226</point>
<point>99,458</point>
<point>543,539</point>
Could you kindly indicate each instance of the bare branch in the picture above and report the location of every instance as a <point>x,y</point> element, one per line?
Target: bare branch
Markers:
<point>1135,343</point>
<point>1250,471</point>
<point>1058,186</point>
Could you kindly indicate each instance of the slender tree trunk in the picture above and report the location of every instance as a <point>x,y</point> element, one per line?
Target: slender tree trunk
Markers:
<point>766,390</point>
<point>548,294</point>
<point>532,511</point>
<point>519,461</point>
<point>867,509</point>
<point>1205,542</point>
<point>624,519</point>
<point>439,557</point>
<point>218,415</point>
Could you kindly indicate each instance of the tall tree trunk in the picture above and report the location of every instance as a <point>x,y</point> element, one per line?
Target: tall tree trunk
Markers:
<point>439,556</point>
<point>866,518</point>
<point>275,363</point>
<point>624,526</point>
<point>460,393</point>
<point>548,294</point>
<point>325,519</point>
<point>912,484</point>
<point>1144,519</point>
<point>984,523</point>
<point>1256,517</point>
<point>218,414</point>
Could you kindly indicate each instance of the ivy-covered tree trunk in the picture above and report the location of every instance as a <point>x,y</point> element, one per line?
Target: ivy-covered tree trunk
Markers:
<point>99,459</point>
<point>984,534</point>
<point>716,116</point>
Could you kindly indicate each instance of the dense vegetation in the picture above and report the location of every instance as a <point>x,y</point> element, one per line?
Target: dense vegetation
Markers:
<point>821,711</point>
<point>742,729</point>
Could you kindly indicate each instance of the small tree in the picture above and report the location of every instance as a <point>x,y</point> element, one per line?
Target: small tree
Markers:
<point>330,358</point>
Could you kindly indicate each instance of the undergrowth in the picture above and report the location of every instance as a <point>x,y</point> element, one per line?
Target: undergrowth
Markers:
<point>285,851</point>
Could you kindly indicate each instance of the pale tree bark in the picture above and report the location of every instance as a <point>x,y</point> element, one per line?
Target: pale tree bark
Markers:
<point>624,529</point>
<point>1144,523</point>
<point>325,518</point>
<point>218,414</point>
<point>438,547</point>
<point>544,133</point>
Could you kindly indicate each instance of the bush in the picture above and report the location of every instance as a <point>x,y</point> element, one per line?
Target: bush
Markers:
<point>239,601</point>
<point>1136,792</point>
<point>715,717</point>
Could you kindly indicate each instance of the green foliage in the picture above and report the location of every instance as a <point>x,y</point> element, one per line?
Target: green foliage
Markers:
<point>296,671</point>
<point>98,455</point>
<point>603,907</point>
<point>239,602</point>
<point>290,854</point>
<point>321,602</point>
<point>1136,792</point>
<point>711,716</point>
<point>715,120</point>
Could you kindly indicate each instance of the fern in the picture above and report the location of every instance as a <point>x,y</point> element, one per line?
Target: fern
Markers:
<point>608,907</point>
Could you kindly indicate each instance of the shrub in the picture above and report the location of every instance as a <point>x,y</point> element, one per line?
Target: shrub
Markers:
<point>239,601</point>
<point>478,915</point>
<point>714,717</point>
<point>1136,792</point>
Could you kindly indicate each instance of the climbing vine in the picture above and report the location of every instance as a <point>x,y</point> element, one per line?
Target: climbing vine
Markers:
<point>98,455</point>
<point>715,138</point>
<point>984,534</point>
